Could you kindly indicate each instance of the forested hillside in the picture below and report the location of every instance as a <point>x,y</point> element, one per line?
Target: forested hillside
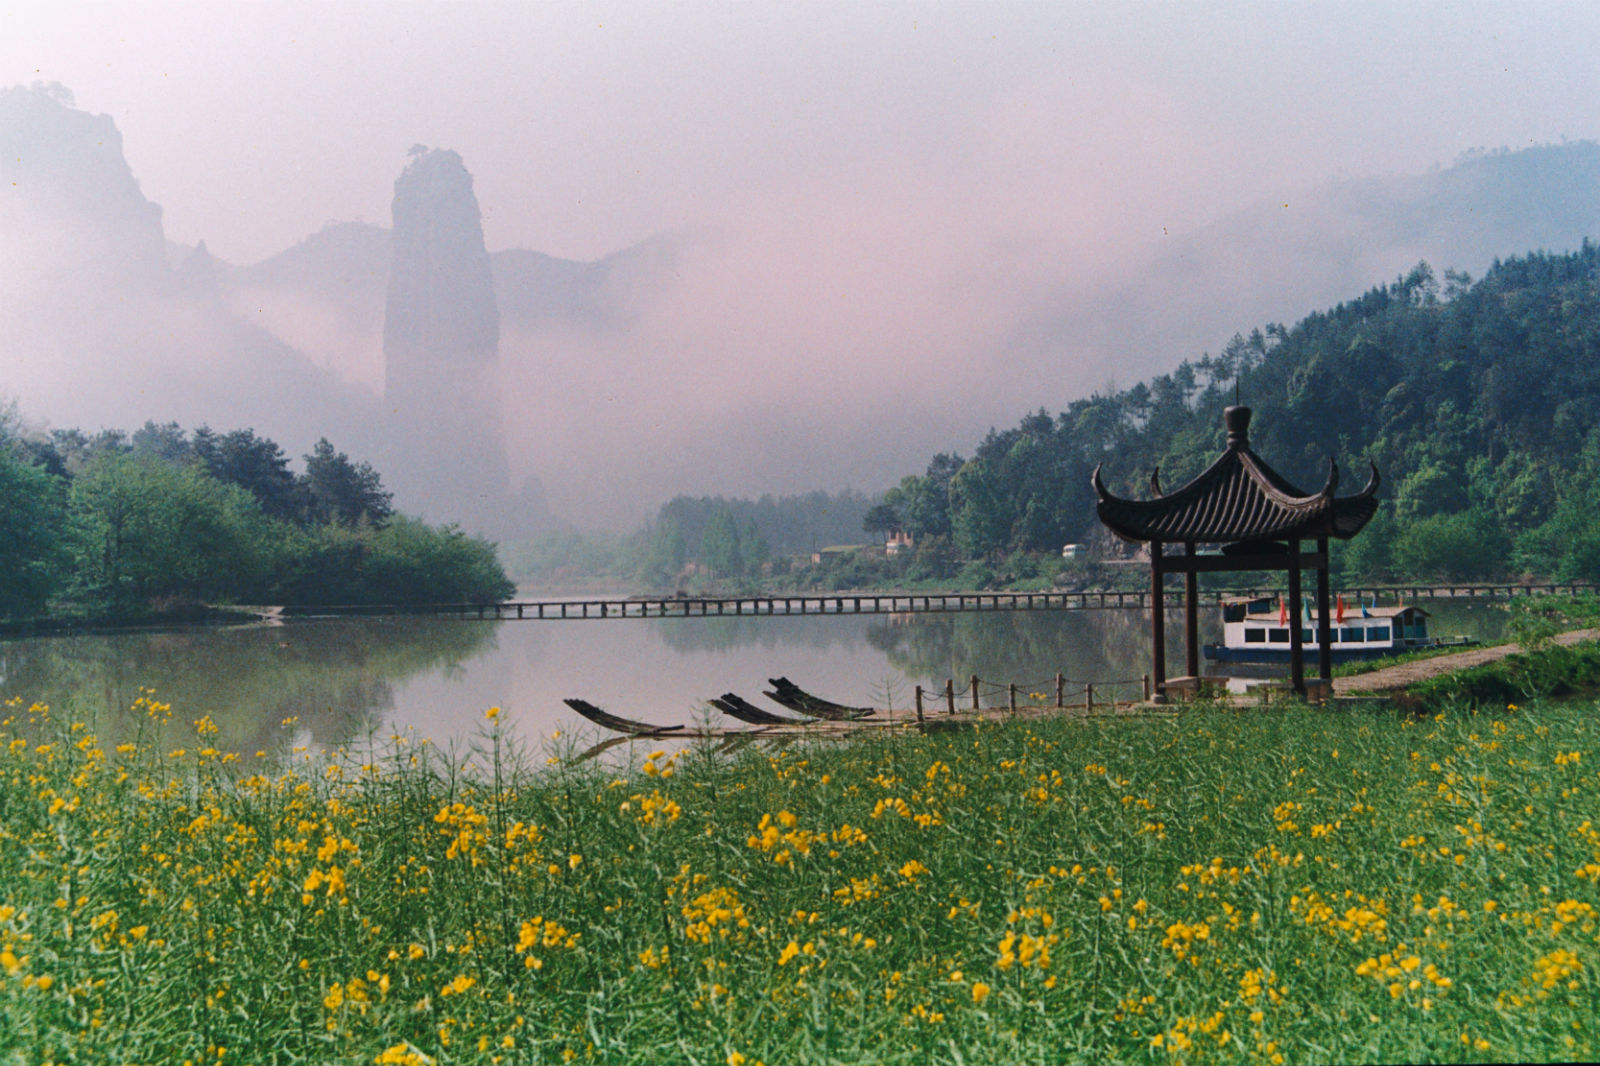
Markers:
<point>1478,401</point>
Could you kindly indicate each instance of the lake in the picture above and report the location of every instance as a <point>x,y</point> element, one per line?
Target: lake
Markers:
<point>347,678</point>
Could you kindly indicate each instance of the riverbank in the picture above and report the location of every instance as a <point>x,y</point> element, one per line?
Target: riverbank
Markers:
<point>186,615</point>
<point>1402,676</point>
<point>1213,885</point>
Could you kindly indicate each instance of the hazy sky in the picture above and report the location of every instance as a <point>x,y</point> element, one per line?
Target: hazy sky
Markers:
<point>591,126</point>
<point>928,218</point>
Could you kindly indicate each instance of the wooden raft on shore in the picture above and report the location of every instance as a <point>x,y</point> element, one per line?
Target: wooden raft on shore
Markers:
<point>826,718</point>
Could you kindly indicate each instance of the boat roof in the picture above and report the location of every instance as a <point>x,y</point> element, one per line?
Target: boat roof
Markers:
<point>1351,610</point>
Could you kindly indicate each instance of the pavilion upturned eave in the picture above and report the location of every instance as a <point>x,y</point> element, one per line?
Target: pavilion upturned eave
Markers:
<point>1238,498</point>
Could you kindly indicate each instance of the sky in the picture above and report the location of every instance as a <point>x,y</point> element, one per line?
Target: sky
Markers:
<point>589,127</point>
<point>901,188</point>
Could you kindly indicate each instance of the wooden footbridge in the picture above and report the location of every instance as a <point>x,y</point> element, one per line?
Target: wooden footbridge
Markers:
<point>714,605</point>
<point>703,606</point>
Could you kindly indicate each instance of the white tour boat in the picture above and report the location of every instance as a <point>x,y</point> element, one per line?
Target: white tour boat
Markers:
<point>1256,630</point>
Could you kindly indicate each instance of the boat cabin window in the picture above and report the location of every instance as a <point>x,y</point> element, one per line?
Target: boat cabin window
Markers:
<point>1278,636</point>
<point>1378,633</point>
<point>1354,633</point>
<point>1255,636</point>
<point>1233,612</point>
<point>1307,636</point>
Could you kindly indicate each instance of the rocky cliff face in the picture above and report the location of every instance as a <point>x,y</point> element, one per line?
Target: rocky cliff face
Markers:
<point>71,201</point>
<point>441,336</point>
<point>102,328</point>
<point>441,309</point>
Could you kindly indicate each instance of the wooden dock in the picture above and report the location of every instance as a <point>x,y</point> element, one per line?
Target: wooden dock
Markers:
<point>712,606</point>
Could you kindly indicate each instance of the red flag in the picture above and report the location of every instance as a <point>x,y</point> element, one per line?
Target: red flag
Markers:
<point>1283,612</point>
<point>1338,615</point>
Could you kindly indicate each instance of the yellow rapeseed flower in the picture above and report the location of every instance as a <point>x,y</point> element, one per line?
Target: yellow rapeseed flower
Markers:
<point>402,1054</point>
<point>458,985</point>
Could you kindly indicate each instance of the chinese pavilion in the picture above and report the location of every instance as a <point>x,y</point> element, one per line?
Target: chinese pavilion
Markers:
<point>1260,521</point>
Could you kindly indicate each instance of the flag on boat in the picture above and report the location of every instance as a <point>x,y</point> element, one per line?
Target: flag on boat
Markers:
<point>1283,612</point>
<point>1338,614</point>
<point>1366,613</point>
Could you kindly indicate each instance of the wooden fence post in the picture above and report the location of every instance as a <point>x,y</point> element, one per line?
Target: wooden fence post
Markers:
<point>919,703</point>
<point>1088,697</point>
<point>1013,697</point>
<point>950,695</point>
<point>975,692</point>
<point>1061,690</point>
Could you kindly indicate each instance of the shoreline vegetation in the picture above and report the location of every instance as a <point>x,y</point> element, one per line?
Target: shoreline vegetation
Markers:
<point>1275,885</point>
<point>187,615</point>
<point>166,526</point>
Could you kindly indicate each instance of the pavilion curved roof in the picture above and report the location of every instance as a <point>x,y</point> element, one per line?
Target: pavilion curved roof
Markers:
<point>1238,498</point>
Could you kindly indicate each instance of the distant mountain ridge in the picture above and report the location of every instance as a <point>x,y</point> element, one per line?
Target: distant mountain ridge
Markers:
<point>348,263</point>
<point>107,325</point>
<point>348,257</point>
<point>692,362</point>
<point>1273,262</point>
<point>1279,261</point>
<point>1484,206</point>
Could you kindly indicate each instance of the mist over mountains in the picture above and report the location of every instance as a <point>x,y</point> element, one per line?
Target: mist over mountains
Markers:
<point>1282,260</point>
<point>105,326</point>
<point>775,351</point>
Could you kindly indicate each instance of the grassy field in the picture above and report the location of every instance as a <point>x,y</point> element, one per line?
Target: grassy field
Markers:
<point>1278,886</point>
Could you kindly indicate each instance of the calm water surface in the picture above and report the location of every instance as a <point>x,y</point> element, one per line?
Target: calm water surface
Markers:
<point>345,679</point>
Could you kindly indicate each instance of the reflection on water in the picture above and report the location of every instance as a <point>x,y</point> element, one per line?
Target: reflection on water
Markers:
<point>339,678</point>
<point>725,632</point>
<point>350,677</point>
<point>1025,647</point>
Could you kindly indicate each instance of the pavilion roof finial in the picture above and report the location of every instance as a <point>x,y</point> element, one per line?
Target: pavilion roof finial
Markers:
<point>1237,419</point>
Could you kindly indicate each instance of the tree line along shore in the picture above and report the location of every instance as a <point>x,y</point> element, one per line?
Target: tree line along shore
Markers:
<point>124,527</point>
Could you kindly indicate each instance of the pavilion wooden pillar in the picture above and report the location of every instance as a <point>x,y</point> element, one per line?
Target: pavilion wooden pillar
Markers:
<point>1297,650</point>
<point>1191,614</point>
<point>1158,625</point>
<point>1324,616</point>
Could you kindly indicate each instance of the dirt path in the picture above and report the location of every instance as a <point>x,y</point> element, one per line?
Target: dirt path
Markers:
<point>1393,677</point>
